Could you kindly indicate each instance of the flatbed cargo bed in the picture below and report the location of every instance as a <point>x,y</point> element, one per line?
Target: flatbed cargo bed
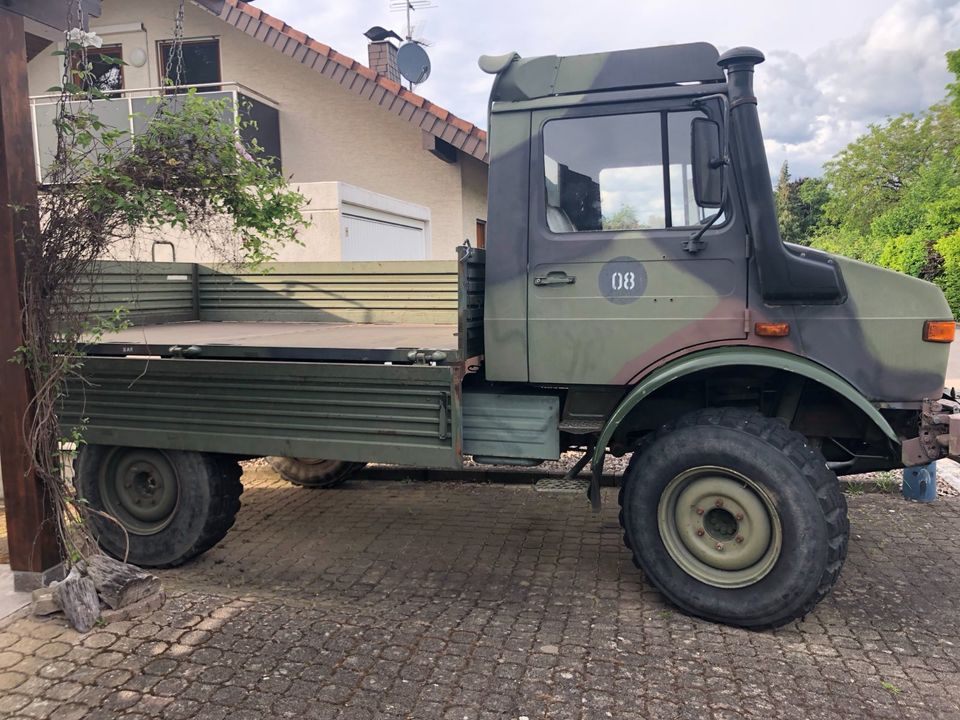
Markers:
<point>303,360</point>
<point>370,312</point>
<point>317,341</point>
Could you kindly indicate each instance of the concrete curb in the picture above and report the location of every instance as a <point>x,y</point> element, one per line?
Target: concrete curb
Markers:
<point>13,604</point>
<point>948,471</point>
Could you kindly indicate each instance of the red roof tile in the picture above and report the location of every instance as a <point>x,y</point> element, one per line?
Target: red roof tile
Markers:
<point>253,12</point>
<point>471,140</point>
<point>412,97</point>
<point>318,46</point>
<point>300,37</point>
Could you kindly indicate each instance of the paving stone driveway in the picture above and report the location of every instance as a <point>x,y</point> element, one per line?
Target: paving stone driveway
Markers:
<point>399,600</point>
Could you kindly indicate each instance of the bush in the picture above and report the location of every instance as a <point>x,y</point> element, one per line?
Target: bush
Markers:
<point>850,244</point>
<point>905,253</point>
<point>949,280</point>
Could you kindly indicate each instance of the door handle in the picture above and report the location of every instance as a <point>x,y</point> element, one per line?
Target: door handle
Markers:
<point>554,278</point>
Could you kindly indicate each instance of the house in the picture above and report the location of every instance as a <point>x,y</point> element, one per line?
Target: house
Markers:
<point>388,174</point>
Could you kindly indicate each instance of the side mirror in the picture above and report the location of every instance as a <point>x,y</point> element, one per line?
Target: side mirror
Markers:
<point>708,162</point>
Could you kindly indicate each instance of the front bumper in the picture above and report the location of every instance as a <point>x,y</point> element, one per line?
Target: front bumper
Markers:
<point>939,435</point>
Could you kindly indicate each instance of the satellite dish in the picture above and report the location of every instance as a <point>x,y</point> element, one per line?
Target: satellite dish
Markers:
<point>414,63</point>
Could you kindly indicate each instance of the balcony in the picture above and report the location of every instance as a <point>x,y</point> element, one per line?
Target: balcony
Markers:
<point>130,110</point>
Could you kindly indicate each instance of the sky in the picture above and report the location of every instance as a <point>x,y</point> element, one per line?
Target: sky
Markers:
<point>833,66</point>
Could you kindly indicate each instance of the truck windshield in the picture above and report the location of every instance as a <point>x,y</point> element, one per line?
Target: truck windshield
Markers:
<point>607,172</point>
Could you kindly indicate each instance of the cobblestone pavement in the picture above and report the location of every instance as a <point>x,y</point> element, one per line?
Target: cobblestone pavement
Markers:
<point>400,600</point>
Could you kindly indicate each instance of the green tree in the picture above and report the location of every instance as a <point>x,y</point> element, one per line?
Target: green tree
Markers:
<point>781,195</point>
<point>953,89</point>
<point>799,206</point>
<point>893,195</point>
<point>625,218</point>
<point>868,177</point>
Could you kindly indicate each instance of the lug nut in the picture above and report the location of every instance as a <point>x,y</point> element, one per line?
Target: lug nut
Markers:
<point>719,502</point>
<point>739,516</point>
<point>700,532</point>
<point>739,538</point>
<point>719,546</point>
<point>699,511</point>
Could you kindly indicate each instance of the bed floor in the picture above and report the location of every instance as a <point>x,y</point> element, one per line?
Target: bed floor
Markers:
<point>289,335</point>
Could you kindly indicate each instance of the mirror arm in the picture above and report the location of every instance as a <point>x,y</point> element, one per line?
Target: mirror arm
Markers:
<point>724,115</point>
<point>695,243</point>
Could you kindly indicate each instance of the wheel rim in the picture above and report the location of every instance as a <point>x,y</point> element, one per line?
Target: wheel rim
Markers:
<point>140,488</point>
<point>720,527</point>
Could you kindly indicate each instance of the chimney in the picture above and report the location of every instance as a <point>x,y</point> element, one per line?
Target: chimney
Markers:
<point>383,59</point>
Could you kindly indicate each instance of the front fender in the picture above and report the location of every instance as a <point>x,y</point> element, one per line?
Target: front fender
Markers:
<point>725,357</point>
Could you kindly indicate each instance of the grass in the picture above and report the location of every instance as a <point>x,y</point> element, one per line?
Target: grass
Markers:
<point>886,482</point>
<point>855,488</point>
<point>890,687</point>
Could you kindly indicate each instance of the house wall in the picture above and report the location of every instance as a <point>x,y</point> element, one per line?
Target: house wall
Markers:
<point>322,240</point>
<point>327,133</point>
<point>474,195</point>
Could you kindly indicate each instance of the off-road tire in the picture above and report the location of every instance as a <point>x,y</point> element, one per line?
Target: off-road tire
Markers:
<point>208,501</point>
<point>806,494</point>
<point>314,474</point>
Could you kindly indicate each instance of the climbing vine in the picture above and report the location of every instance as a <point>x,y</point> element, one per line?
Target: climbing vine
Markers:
<point>187,168</point>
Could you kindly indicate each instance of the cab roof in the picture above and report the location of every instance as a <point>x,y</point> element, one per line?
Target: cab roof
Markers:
<point>520,79</point>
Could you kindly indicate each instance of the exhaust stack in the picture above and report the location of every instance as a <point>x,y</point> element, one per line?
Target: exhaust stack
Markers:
<point>788,275</point>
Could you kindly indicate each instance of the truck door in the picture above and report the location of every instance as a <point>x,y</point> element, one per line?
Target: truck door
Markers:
<point>611,287</point>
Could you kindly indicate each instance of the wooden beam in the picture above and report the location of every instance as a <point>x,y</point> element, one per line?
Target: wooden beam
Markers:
<point>31,534</point>
<point>52,13</point>
<point>439,148</point>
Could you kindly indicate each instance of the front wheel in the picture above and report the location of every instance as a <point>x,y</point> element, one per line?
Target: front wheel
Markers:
<point>735,518</point>
<point>159,508</point>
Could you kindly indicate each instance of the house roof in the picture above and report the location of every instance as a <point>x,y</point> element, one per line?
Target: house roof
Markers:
<point>351,75</point>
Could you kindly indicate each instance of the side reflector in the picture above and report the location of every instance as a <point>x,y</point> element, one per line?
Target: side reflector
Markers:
<point>772,329</point>
<point>941,331</point>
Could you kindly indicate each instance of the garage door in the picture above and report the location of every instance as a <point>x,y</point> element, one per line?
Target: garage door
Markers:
<point>369,239</point>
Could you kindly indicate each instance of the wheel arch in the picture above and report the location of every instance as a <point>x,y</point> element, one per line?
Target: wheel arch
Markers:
<point>731,357</point>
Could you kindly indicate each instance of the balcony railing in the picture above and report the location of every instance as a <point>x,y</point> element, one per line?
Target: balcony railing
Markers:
<point>130,110</point>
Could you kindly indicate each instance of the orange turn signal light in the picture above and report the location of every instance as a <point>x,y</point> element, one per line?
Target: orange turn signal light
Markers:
<point>770,329</point>
<point>941,331</point>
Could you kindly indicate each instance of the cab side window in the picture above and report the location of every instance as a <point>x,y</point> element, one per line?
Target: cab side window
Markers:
<point>619,172</point>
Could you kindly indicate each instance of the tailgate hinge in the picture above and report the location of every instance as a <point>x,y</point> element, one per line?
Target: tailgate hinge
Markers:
<point>424,357</point>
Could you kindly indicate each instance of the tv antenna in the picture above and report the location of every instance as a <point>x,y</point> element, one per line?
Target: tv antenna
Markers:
<point>410,6</point>
<point>412,59</point>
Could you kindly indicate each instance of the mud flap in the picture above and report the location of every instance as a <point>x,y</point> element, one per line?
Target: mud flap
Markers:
<point>593,492</point>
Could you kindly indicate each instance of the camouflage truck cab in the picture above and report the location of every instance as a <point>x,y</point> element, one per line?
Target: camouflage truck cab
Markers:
<point>634,297</point>
<point>643,274</point>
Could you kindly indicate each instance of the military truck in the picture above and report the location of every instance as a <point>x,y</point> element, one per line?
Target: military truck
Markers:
<point>634,297</point>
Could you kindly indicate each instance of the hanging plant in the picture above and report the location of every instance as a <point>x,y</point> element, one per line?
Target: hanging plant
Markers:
<point>188,169</point>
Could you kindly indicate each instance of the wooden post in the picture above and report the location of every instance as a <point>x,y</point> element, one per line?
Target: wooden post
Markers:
<point>31,532</point>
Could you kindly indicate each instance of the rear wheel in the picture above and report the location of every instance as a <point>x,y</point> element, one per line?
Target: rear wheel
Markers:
<point>172,505</point>
<point>314,473</point>
<point>735,518</point>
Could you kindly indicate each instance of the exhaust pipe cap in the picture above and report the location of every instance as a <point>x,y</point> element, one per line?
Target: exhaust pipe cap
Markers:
<point>740,56</point>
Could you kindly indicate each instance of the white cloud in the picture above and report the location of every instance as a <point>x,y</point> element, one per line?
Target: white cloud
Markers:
<point>895,65</point>
<point>789,98</point>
